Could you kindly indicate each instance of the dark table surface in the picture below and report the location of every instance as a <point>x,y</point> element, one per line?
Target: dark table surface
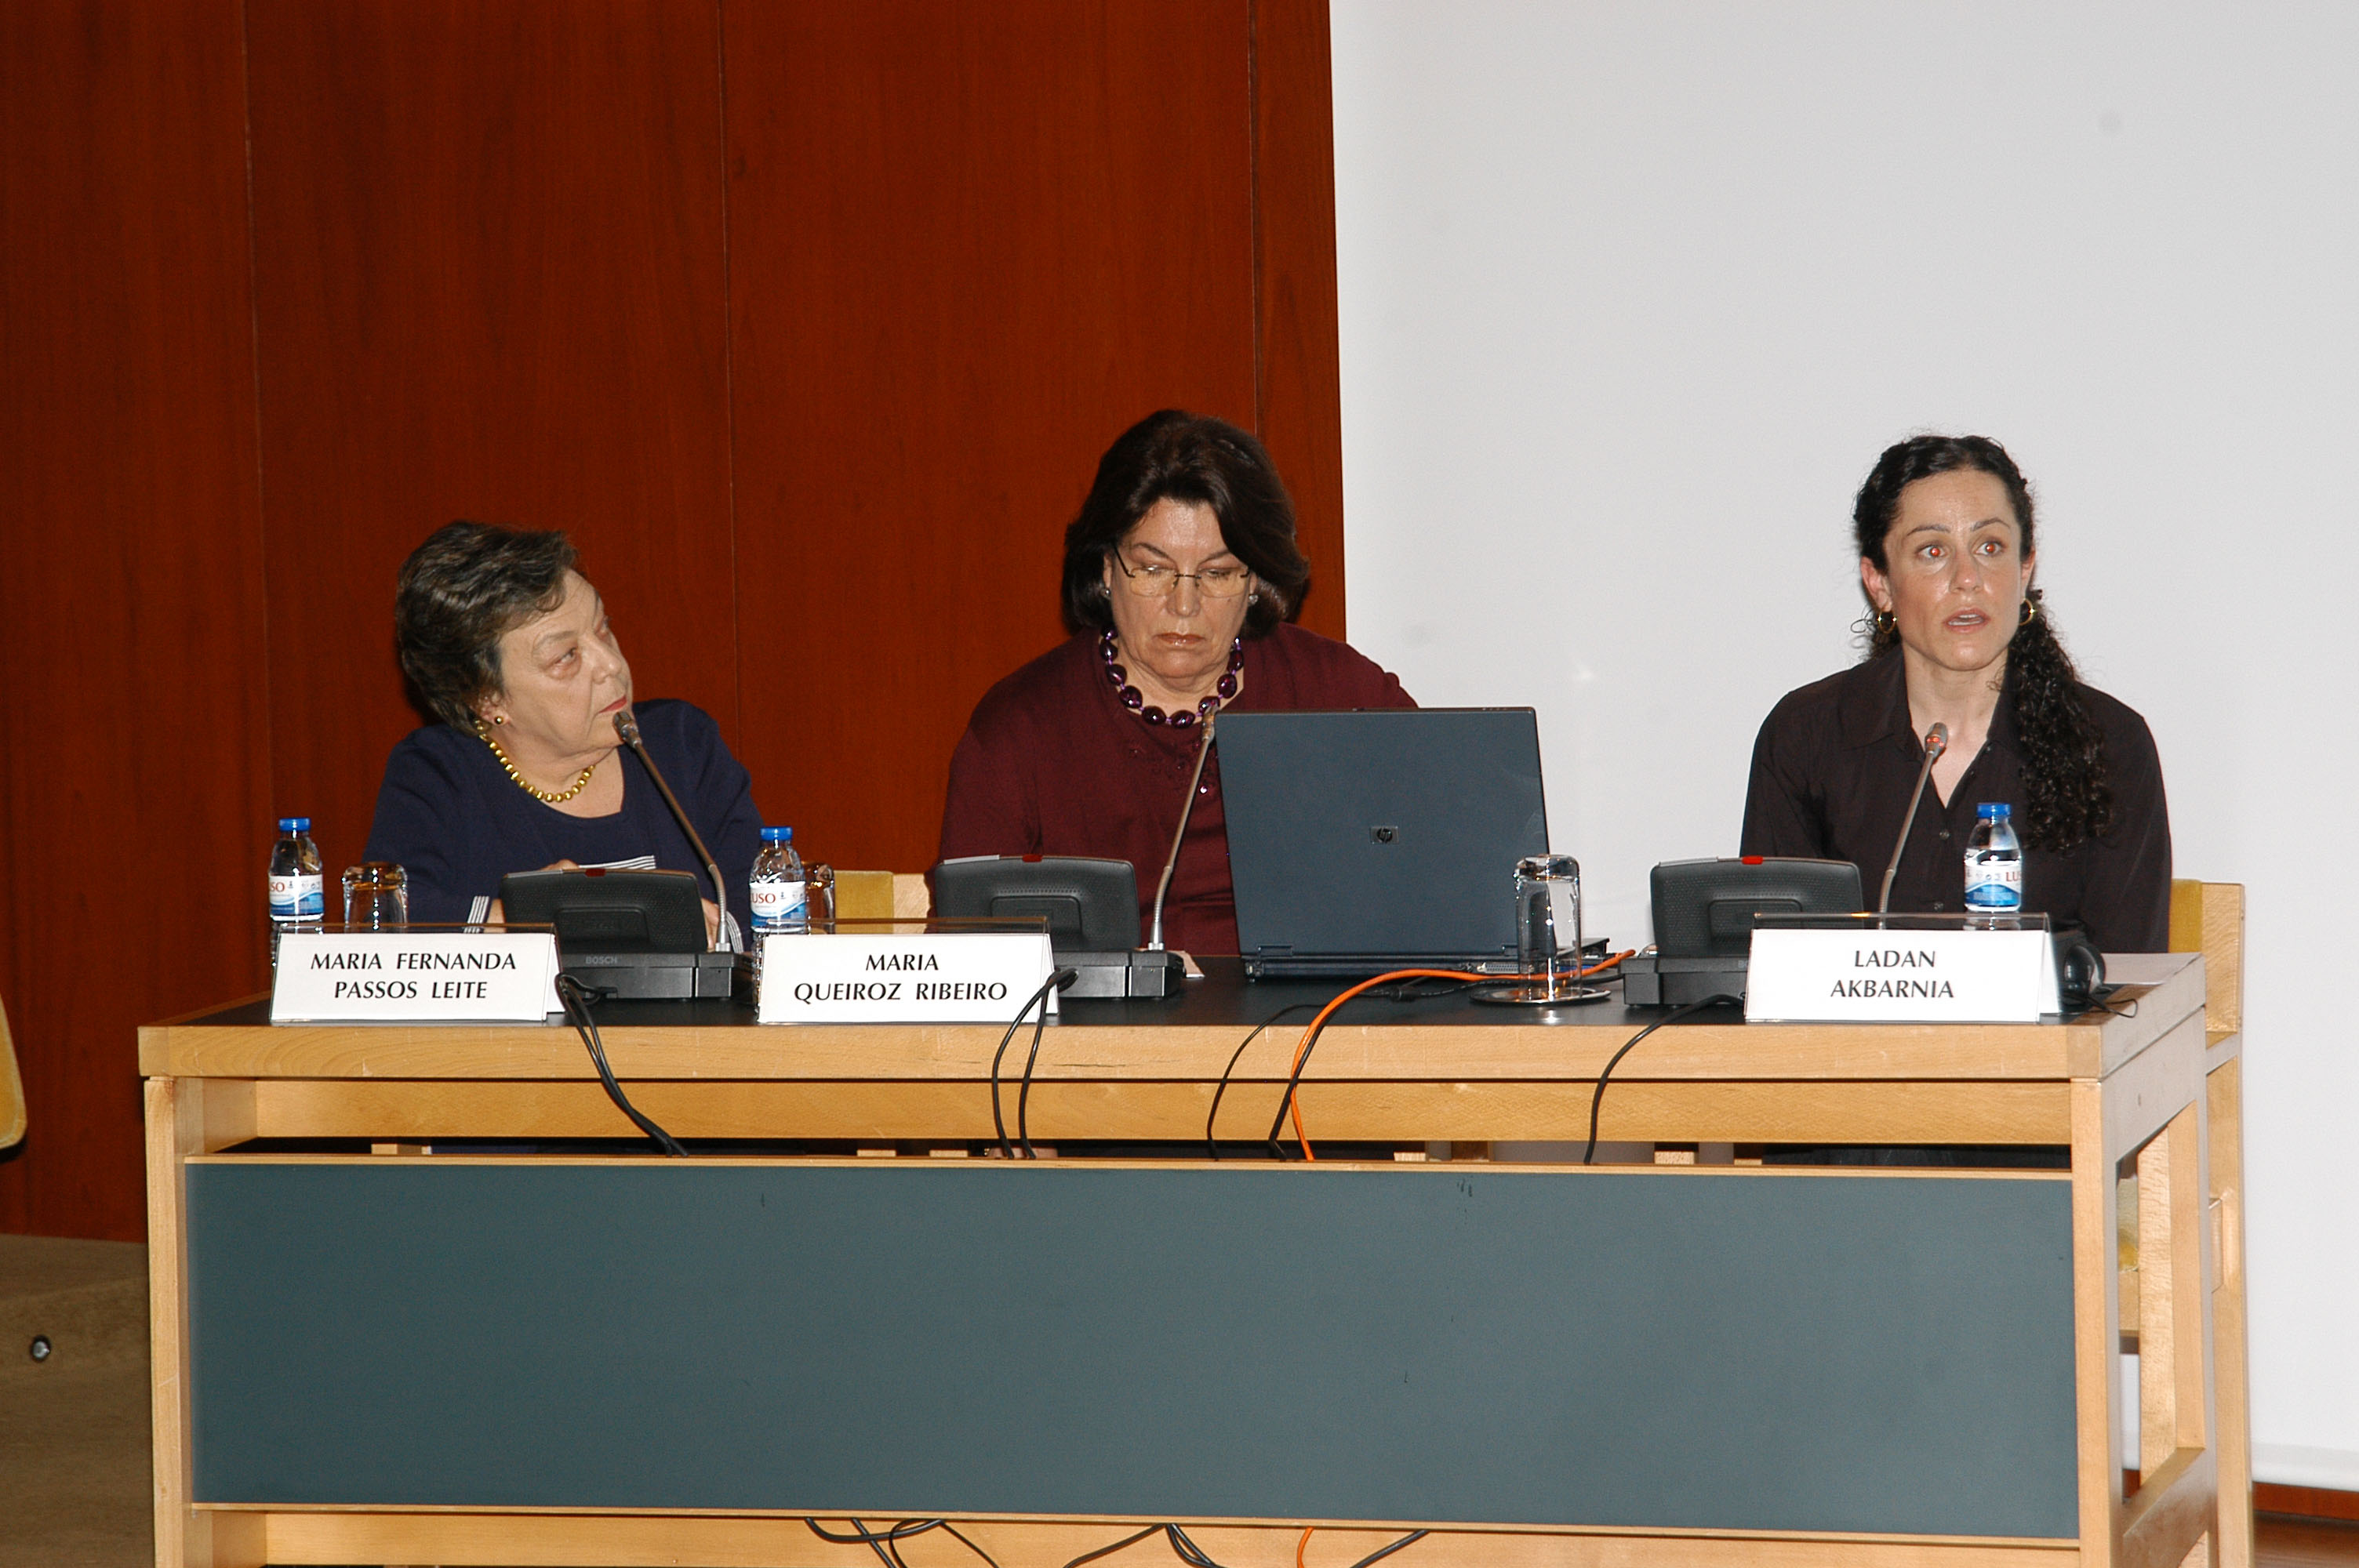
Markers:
<point>1222,997</point>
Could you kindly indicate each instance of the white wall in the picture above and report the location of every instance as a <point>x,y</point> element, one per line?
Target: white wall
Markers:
<point>1633,293</point>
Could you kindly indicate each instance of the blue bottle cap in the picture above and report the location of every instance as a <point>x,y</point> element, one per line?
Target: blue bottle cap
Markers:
<point>294,824</point>
<point>778,835</point>
<point>1990,809</point>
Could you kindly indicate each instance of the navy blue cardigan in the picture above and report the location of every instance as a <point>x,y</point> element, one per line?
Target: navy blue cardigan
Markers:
<point>449,814</point>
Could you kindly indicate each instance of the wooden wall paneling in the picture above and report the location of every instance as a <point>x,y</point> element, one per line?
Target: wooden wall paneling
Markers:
<point>1299,373</point>
<point>969,245</point>
<point>489,281</point>
<point>133,801</point>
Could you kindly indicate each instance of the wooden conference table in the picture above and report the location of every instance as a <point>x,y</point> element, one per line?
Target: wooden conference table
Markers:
<point>403,1315</point>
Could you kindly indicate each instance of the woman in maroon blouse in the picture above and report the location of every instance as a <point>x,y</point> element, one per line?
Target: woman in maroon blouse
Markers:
<point>1180,575</point>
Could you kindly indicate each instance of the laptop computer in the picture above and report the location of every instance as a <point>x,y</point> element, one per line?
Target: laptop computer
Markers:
<point>1379,839</point>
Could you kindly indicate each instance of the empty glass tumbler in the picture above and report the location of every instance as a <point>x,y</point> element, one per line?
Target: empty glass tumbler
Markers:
<point>1548,926</point>
<point>376,896</point>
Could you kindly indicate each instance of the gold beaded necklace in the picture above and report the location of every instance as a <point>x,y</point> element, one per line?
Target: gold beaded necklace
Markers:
<point>551,797</point>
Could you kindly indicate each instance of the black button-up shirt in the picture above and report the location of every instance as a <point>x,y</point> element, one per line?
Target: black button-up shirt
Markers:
<point>1835,762</point>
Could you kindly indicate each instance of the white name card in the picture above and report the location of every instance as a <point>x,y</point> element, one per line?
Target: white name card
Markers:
<point>1900,977</point>
<point>386,976</point>
<point>935,978</point>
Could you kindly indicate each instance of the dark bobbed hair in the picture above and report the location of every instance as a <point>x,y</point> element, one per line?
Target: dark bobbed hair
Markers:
<point>462,590</point>
<point>1197,459</point>
<point>2067,796</point>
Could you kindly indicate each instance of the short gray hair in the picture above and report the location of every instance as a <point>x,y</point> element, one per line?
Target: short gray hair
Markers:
<point>460,592</point>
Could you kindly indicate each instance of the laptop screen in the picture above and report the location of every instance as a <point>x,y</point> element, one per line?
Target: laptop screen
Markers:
<point>1390,833</point>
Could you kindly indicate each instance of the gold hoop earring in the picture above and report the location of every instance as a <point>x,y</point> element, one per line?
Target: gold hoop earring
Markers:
<point>1886,622</point>
<point>2030,610</point>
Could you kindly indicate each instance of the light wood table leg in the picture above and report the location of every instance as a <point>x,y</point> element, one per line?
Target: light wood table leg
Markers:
<point>2153,1110</point>
<point>177,1128</point>
<point>2232,1368</point>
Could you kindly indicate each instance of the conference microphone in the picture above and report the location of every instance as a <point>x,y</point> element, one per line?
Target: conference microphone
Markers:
<point>1187,809</point>
<point>627,728</point>
<point>1937,740</point>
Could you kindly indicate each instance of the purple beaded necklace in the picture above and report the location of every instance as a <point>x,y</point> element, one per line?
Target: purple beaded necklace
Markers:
<point>1120,677</point>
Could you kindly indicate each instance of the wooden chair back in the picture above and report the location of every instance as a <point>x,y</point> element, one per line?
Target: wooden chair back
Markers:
<point>12,1087</point>
<point>881,896</point>
<point>2209,918</point>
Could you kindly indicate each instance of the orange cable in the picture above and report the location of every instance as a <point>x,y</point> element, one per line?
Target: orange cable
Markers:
<point>1303,1545</point>
<point>1311,1034</point>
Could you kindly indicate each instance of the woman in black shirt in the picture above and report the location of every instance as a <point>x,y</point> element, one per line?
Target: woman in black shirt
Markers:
<point>1959,636</point>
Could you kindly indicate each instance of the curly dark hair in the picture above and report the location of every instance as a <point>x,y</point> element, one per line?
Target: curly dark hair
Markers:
<point>2068,798</point>
<point>463,589</point>
<point>1196,459</point>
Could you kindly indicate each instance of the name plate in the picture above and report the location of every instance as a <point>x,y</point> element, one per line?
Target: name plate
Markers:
<point>935,978</point>
<point>337,977</point>
<point>1900,977</point>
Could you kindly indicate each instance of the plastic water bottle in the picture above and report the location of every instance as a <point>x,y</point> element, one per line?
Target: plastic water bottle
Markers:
<point>779,897</point>
<point>299,896</point>
<point>1993,868</point>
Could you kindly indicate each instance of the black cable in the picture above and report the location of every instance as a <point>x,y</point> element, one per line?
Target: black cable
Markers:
<point>1211,1150</point>
<point>1061,978</point>
<point>883,1547</point>
<point>576,998</point>
<point>884,1542</point>
<point>1589,1154</point>
<point>1118,1546</point>
<point>953,1532</point>
<point>1411,1538</point>
<point>1405,993</point>
<point>1186,1551</point>
<point>998,1123</point>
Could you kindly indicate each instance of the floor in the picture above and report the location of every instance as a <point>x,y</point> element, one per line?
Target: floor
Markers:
<point>2304,1543</point>
<point>73,1425</point>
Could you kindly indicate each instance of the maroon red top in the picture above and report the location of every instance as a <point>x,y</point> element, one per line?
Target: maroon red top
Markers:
<point>1052,763</point>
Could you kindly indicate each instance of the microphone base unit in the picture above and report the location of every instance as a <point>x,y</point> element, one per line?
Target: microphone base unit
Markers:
<point>1649,979</point>
<point>1133,976</point>
<point>664,977</point>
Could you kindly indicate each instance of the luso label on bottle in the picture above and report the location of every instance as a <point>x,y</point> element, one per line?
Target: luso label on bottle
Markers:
<point>298,897</point>
<point>779,905</point>
<point>1995,884</point>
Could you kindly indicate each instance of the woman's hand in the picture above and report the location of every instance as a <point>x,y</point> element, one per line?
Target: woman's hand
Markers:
<point>498,914</point>
<point>712,922</point>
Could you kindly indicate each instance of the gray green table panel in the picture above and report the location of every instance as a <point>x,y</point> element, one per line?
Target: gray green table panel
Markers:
<point>1802,1352</point>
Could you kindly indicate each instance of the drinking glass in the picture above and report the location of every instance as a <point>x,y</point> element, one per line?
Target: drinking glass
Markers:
<point>1547,937</point>
<point>376,896</point>
<point>818,896</point>
<point>1548,920</point>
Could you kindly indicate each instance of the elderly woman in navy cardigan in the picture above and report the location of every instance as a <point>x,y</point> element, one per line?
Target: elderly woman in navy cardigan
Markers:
<point>511,648</point>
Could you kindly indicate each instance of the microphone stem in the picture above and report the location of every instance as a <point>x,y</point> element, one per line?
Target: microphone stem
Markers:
<point>1883,899</point>
<point>629,733</point>
<point>1187,806</point>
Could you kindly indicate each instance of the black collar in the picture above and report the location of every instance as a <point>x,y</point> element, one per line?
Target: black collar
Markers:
<point>1873,707</point>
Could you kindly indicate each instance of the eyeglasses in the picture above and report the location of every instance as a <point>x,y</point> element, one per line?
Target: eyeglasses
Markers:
<point>1154,580</point>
